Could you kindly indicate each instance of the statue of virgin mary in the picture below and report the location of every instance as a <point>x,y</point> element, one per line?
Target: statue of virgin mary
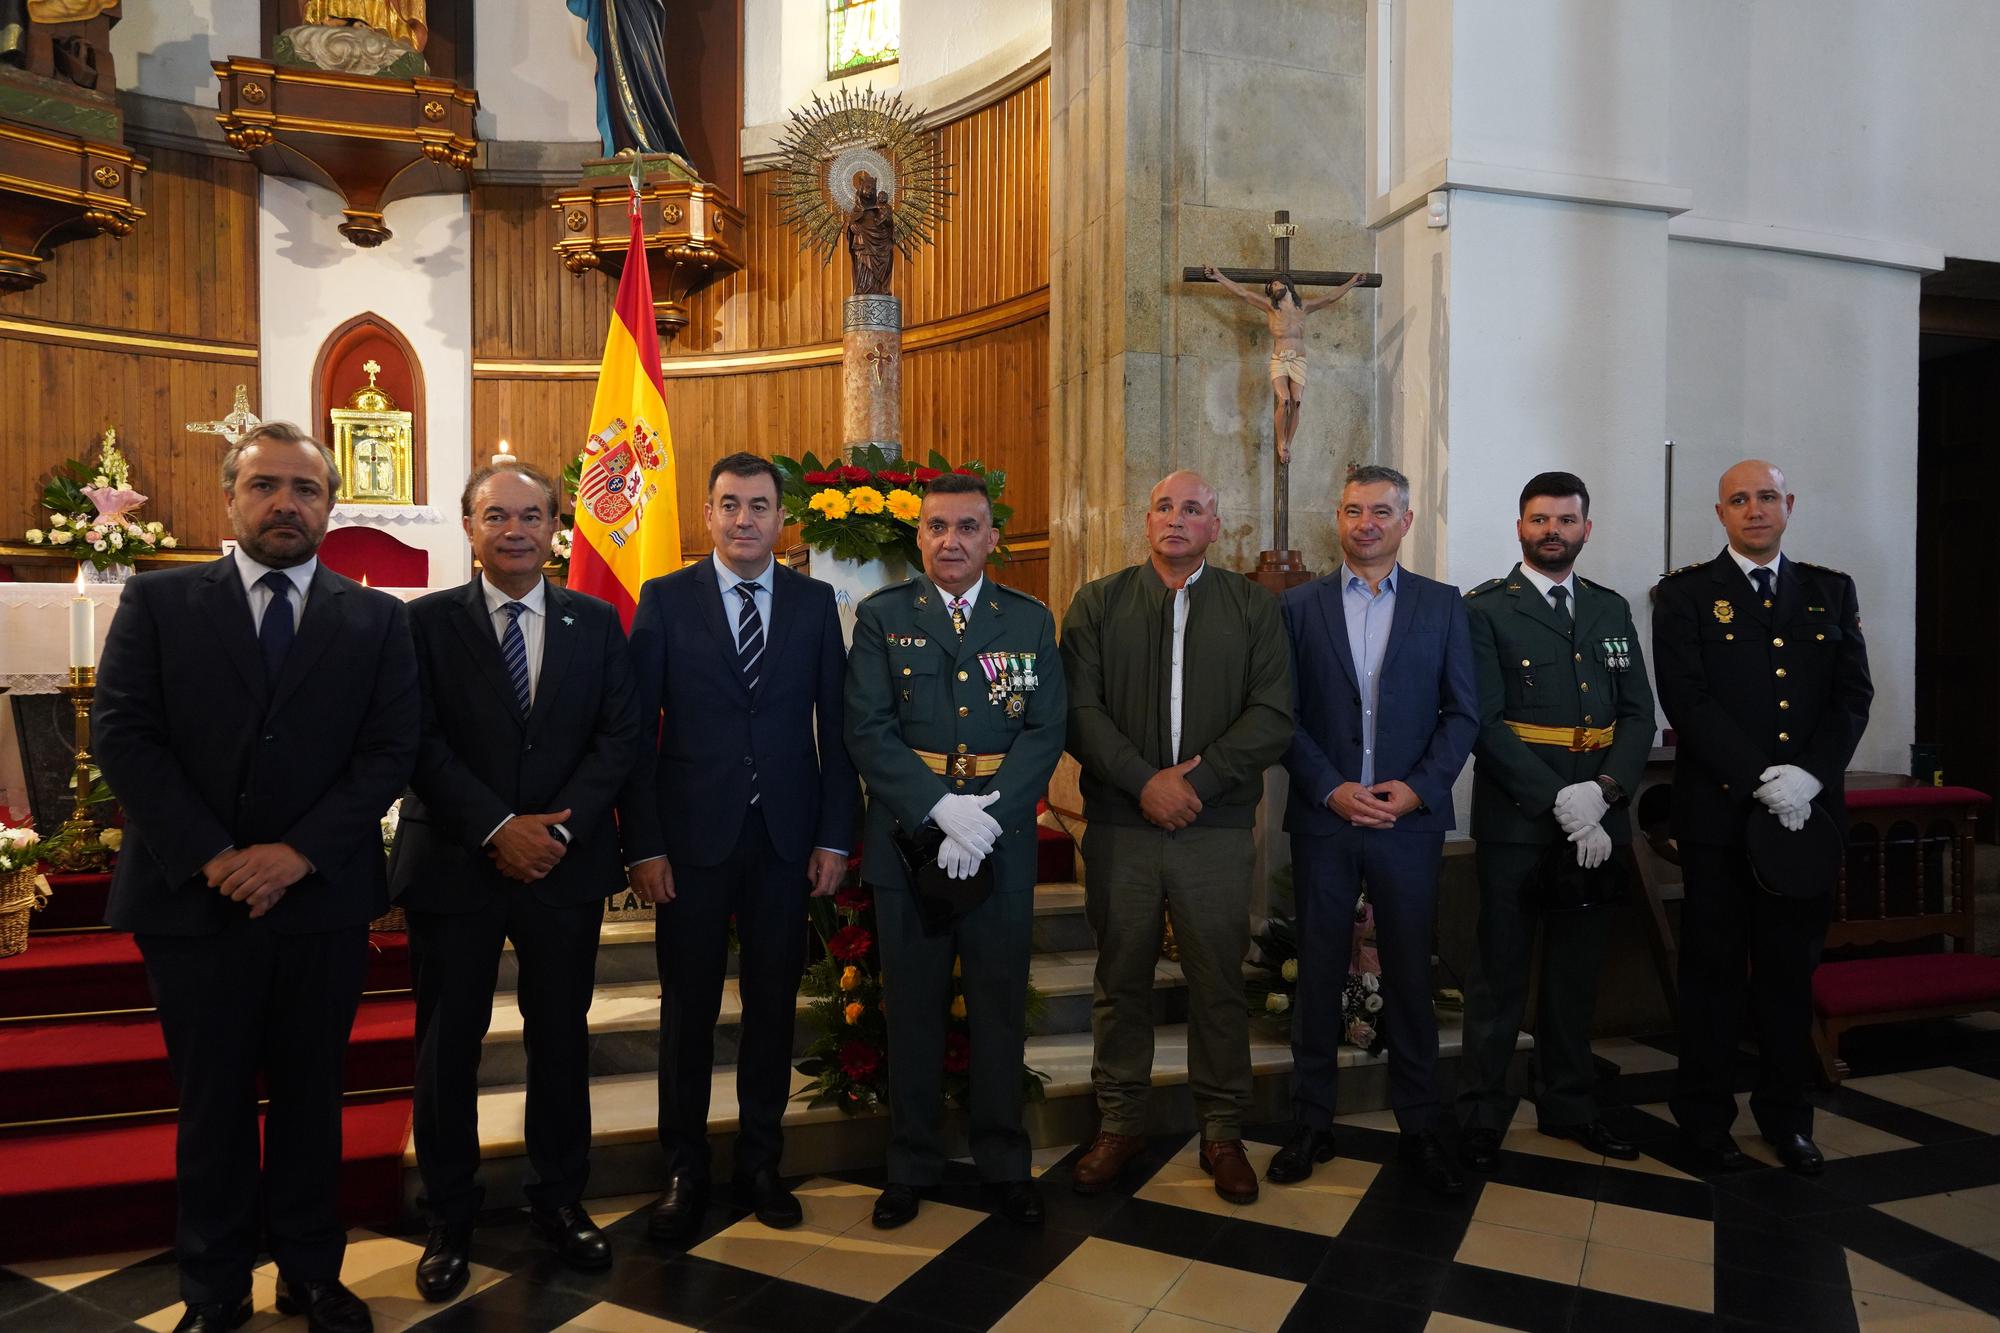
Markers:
<point>635,108</point>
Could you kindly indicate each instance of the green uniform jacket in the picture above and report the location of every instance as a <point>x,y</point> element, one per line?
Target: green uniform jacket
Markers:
<point>912,685</point>
<point>1236,691</point>
<point>1534,668</point>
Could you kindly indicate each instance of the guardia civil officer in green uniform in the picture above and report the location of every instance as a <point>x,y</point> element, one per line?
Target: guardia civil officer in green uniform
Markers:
<point>955,715</point>
<point>1565,726</point>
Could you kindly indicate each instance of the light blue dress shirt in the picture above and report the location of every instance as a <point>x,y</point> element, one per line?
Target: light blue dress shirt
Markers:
<point>1369,615</point>
<point>726,580</point>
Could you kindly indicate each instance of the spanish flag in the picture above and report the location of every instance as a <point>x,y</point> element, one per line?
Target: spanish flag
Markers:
<point>628,523</point>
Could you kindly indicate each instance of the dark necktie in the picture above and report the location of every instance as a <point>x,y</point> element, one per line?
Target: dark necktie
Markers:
<point>276,633</point>
<point>514,652</point>
<point>1762,578</point>
<point>749,649</point>
<point>1561,596</point>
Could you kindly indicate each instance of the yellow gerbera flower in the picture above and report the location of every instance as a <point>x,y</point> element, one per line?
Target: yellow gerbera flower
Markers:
<point>866,500</point>
<point>904,505</point>
<point>830,503</point>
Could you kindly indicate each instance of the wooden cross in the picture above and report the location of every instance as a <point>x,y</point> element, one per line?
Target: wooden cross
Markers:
<point>1282,230</point>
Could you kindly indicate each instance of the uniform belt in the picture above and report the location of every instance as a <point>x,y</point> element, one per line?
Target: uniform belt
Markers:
<point>1575,739</point>
<point>960,765</point>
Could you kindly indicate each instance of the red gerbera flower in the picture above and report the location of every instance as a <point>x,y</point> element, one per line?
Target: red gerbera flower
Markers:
<point>859,1060</point>
<point>896,478</point>
<point>966,471</point>
<point>821,478</point>
<point>957,1052</point>
<point>850,944</point>
<point>848,472</point>
<point>928,474</point>
<point>852,897</point>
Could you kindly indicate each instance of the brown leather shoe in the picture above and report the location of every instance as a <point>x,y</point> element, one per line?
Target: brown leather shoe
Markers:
<point>1108,1154</point>
<point>1234,1180</point>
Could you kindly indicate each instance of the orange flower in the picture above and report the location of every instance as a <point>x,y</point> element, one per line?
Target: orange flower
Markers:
<point>853,1013</point>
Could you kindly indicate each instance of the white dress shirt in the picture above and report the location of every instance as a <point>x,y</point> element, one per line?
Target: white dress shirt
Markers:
<point>971,596</point>
<point>726,580</point>
<point>1746,564</point>
<point>1543,583</point>
<point>252,574</point>
<point>1180,641</point>
<point>534,627</point>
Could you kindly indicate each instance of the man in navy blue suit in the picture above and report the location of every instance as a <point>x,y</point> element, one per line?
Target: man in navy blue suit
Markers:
<point>747,804</point>
<point>1388,708</point>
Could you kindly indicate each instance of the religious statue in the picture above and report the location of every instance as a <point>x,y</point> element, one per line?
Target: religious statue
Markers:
<point>400,19</point>
<point>1286,315</point>
<point>871,236</point>
<point>635,108</point>
<point>372,37</point>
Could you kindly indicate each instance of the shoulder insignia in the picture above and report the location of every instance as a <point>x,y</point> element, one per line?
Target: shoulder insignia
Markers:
<point>1685,569</point>
<point>1594,584</point>
<point>1024,596</point>
<point>887,587</point>
<point>1821,569</point>
<point>1486,587</point>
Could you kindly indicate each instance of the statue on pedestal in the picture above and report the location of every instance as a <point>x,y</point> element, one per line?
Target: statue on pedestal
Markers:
<point>871,237</point>
<point>635,108</point>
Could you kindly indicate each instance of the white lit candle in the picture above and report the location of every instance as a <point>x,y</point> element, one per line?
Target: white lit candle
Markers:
<point>505,456</point>
<point>82,626</point>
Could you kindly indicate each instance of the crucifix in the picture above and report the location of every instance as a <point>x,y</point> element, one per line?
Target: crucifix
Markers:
<point>1276,292</point>
<point>234,426</point>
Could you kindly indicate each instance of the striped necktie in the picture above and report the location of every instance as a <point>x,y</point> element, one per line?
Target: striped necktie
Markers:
<point>749,649</point>
<point>514,652</point>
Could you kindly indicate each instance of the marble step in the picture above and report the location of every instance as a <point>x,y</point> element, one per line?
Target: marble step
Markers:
<point>625,948</point>
<point>625,1156</point>
<point>625,1018</point>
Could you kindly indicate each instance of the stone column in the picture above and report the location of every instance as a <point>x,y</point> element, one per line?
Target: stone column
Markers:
<point>1176,129</point>
<point>871,374</point>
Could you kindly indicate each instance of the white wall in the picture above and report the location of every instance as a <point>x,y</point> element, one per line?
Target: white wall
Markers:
<point>1812,364</point>
<point>314,280</point>
<point>162,47</point>
<point>535,72</point>
<point>784,47</point>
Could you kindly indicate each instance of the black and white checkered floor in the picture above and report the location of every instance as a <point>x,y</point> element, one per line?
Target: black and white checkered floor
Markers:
<point>1901,1232</point>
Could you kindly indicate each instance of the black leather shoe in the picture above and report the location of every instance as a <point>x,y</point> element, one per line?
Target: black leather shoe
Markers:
<point>1295,1161</point>
<point>677,1219</point>
<point>895,1205</point>
<point>576,1238</point>
<point>327,1306</point>
<point>766,1196</point>
<point>1432,1163</point>
<point>1018,1201</point>
<point>1479,1149</point>
<point>1594,1136</point>
<point>214,1317</point>
<point>447,1263</point>
<point>1714,1152</point>
<point>1798,1153</point>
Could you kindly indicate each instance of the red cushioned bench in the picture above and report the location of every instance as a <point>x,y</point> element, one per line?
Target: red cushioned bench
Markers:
<point>1907,882</point>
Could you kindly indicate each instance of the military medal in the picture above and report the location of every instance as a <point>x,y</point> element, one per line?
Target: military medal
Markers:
<point>1617,653</point>
<point>1724,612</point>
<point>1016,705</point>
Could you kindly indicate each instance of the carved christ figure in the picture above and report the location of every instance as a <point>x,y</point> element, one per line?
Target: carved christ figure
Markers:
<point>871,236</point>
<point>1286,315</point>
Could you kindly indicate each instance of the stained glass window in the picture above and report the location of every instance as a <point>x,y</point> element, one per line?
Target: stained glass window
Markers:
<point>861,34</point>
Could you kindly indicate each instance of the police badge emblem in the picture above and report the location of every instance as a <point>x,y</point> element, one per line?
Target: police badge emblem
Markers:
<point>1724,612</point>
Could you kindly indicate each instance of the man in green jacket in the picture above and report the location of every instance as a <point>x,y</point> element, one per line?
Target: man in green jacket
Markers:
<point>954,715</point>
<point>1180,697</point>
<point>1565,725</point>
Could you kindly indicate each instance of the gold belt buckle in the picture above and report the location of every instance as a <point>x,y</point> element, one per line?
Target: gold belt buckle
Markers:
<point>1579,740</point>
<point>959,766</point>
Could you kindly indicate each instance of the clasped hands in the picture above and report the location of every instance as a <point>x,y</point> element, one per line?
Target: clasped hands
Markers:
<point>1378,806</point>
<point>258,874</point>
<point>1580,809</point>
<point>1788,793</point>
<point>525,849</point>
<point>969,832</point>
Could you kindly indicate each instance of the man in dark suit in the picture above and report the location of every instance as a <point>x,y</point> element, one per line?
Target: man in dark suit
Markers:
<point>943,744</point>
<point>746,805</point>
<point>1388,708</point>
<point>1764,677</point>
<point>1565,725</point>
<point>529,733</point>
<point>256,716</point>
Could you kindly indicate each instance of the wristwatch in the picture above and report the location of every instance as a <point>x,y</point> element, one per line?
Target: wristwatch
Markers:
<point>1614,795</point>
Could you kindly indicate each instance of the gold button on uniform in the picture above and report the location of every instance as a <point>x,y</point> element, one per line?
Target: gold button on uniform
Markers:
<point>1777,643</point>
<point>1820,636</point>
<point>1587,719</point>
<point>958,782</point>
<point>1526,662</point>
<point>1585,687</point>
<point>906,671</point>
<point>1784,704</point>
<point>1579,657</point>
<point>1781,673</point>
<point>961,747</point>
<point>963,711</point>
<point>1729,636</point>
<point>961,675</point>
<point>1784,735</point>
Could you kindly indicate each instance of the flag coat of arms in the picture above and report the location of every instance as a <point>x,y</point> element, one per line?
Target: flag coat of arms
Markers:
<point>628,526</point>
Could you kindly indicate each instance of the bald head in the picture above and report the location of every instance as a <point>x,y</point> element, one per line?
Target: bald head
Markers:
<point>1754,506</point>
<point>1181,521</point>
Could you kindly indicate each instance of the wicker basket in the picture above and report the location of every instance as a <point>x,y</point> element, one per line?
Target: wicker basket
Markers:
<point>391,920</point>
<point>20,894</point>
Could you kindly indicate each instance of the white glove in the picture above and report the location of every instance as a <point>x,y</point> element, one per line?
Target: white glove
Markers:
<point>965,818</point>
<point>1788,789</point>
<point>1580,805</point>
<point>1593,845</point>
<point>1794,817</point>
<point>957,860</point>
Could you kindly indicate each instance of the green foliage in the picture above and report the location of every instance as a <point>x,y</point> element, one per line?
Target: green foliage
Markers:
<point>836,527</point>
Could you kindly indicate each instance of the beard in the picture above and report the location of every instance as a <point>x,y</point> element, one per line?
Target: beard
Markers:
<point>1550,560</point>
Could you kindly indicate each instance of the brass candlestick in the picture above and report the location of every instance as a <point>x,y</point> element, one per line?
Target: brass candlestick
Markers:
<point>75,845</point>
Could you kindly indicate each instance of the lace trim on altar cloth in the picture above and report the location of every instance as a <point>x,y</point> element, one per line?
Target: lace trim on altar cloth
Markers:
<point>33,682</point>
<point>384,516</point>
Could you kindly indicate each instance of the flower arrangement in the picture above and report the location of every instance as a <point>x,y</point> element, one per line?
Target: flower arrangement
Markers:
<point>392,819</point>
<point>867,509</point>
<point>90,512</point>
<point>1272,984</point>
<point>19,848</point>
<point>849,1058</point>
